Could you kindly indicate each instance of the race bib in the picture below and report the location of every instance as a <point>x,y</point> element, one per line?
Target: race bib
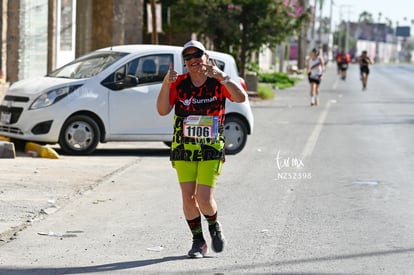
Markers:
<point>200,127</point>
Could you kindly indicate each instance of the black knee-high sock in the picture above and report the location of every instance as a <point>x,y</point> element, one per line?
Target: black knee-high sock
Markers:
<point>196,229</point>
<point>211,220</point>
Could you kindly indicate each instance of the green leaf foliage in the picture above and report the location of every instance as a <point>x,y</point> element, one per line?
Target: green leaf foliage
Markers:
<point>239,27</point>
<point>279,80</point>
<point>265,91</point>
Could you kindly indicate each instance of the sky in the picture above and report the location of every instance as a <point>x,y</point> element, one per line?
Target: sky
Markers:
<point>396,10</point>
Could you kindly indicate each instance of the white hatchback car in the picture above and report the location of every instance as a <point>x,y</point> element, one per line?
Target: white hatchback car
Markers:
<point>108,95</point>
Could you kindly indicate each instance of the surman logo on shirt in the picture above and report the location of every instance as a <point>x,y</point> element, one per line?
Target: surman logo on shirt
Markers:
<point>193,100</point>
<point>186,102</point>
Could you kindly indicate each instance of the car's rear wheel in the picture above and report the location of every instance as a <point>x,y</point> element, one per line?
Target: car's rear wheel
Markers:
<point>235,132</point>
<point>79,135</point>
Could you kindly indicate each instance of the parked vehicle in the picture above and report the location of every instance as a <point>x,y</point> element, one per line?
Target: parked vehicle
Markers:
<point>108,95</point>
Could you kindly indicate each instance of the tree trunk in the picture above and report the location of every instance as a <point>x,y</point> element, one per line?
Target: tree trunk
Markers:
<point>302,43</point>
<point>243,51</point>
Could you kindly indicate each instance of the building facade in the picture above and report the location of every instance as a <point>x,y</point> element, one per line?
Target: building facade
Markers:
<point>38,36</point>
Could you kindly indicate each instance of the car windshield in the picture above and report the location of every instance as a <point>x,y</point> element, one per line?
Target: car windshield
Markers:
<point>88,65</point>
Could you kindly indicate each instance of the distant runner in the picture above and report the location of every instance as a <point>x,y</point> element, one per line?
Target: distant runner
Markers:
<point>364,62</point>
<point>315,66</point>
<point>343,59</point>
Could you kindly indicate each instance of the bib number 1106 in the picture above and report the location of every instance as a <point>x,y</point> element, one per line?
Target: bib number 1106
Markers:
<point>200,126</point>
<point>198,131</point>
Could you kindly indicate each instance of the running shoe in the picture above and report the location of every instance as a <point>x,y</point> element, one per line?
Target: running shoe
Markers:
<point>198,250</point>
<point>217,238</point>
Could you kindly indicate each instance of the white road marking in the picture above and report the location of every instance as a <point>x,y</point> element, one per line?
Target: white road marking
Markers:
<point>335,85</point>
<point>314,136</point>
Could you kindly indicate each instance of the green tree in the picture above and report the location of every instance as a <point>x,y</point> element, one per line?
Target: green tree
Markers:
<point>240,27</point>
<point>366,17</point>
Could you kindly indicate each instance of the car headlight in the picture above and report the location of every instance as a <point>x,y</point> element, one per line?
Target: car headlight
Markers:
<point>53,96</point>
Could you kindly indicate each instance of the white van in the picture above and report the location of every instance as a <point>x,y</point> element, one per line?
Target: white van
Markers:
<point>108,95</point>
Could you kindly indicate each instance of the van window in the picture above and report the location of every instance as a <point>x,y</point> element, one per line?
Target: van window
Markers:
<point>220,64</point>
<point>151,68</point>
<point>88,65</point>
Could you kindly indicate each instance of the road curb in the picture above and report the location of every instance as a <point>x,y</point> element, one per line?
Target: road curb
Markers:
<point>7,150</point>
<point>43,151</point>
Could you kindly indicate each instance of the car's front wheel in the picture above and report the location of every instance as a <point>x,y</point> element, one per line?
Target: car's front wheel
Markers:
<point>235,132</point>
<point>79,135</point>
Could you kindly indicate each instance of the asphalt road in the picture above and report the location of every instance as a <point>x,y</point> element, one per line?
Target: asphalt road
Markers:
<point>318,190</point>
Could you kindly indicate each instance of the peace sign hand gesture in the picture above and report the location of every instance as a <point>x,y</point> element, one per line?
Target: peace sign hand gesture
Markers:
<point>211,70</point>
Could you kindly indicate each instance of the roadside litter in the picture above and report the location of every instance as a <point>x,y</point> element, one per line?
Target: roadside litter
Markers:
<point>66,234</point>
<point>155,248</point>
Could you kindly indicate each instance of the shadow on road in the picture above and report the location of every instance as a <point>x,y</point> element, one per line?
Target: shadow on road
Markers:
<point>139,152</point>
<point>112,152</point>
<point>233,268</point>
<point>90,269</point>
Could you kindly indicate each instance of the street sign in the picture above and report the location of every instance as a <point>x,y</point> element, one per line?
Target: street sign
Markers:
<point>403,31</point>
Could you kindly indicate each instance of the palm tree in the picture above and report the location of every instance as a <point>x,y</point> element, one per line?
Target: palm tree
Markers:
<point>366,17</point>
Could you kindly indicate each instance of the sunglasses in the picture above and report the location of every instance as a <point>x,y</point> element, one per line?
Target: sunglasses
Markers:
<point>193,55</point>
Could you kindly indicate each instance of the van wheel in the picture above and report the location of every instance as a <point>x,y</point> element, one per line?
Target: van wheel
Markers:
<point>235,132</point>
<point>79,135</point>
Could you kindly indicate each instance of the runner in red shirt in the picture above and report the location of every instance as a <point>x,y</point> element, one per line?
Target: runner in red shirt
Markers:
<point>342,60</point>
<point>197,150</point>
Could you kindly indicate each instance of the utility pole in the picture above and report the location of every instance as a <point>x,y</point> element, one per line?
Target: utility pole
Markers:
<point>347,37</point>
<point>312,45</point>
<point>377,38</point>
<point>3,28</point>
<point>302,40</point>
<point>346,43</point>
<point>154,34</point>
<point>13,42</point>
<point>51,36</point>
<point>320,26</point>
<point>330,37</point>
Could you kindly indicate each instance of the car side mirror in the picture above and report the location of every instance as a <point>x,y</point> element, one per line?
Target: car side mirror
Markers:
<point>120,83</point>
<point>130,81</point>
